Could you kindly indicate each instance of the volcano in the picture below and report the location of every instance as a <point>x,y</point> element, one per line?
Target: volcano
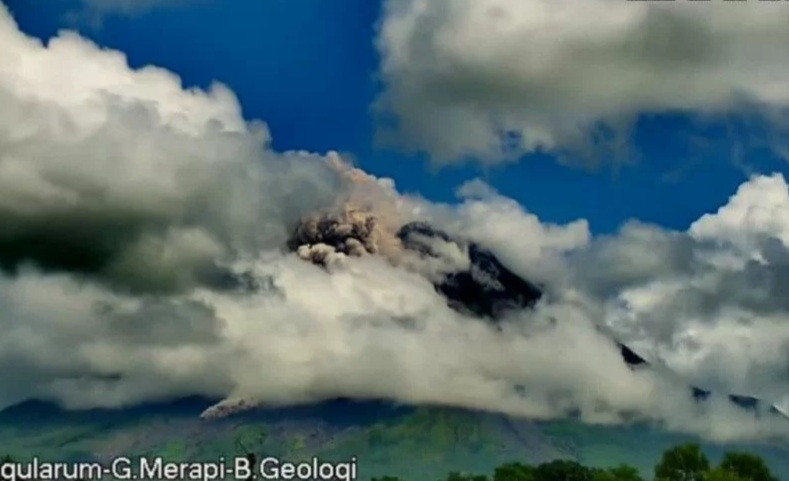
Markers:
<point>416,442</point>
<point>489,290</point>
<point>481,286</point>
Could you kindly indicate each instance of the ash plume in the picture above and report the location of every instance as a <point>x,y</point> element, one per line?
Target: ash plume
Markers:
<point>350,231</point>
<point>371,219</point>
<point>365,221</point>
<point>471,279</point>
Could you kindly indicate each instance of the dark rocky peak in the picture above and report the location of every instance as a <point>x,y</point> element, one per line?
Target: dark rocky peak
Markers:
<point>486,288</point>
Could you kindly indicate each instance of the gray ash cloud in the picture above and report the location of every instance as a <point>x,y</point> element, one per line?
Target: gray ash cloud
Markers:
<point>472,279</point>
<point>350,232</point>
<point>483,287</point>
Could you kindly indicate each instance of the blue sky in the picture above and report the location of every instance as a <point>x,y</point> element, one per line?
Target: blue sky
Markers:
<point>308,69</point>
<point>119,187</point>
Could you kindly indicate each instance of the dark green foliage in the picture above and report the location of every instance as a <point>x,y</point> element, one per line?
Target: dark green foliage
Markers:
<point>619,473</point>
<point>719,474</point>
<point>514,472</point>
<point>562,470</point>
<point>747,467</point>
<point>466,477</point>
<point>683,463</point>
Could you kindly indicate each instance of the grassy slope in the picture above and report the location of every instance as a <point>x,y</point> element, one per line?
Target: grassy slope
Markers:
<point>419,444</point>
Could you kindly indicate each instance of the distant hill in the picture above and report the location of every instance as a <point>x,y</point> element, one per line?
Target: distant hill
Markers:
<point>421,443</point>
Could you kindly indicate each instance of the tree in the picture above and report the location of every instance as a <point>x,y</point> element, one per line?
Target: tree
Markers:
<point>455,476</point>
<point>619,473</point>
<point>722,475</point>
<point>683,463</point>
<point>562,470</point>
<point>514,472</point>
<point>747,466</point>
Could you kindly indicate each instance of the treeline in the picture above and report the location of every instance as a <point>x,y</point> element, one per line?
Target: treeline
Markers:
<point>682,463</point>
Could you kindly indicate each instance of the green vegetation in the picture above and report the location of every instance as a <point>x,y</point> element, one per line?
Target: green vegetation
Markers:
<point>682,463</point>
<point>411,443</point>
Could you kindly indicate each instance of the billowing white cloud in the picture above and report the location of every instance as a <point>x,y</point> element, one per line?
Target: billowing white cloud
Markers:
<point>708,302</point>
<point>494,79</point>
<point>142,228</point>
<point>124,174</point>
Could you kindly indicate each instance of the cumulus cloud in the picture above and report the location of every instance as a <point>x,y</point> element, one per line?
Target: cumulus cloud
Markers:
<point>707,302</point>
<point>494,79</point>
<point>143,235</point>
<point>124,175</point>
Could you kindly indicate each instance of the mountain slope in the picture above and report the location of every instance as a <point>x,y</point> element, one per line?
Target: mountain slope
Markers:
<point>417,443</point>
<point>487,289</point>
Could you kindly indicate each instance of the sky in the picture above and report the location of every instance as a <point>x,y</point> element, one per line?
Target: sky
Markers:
<point>309,70</point>
<point>155,157</point>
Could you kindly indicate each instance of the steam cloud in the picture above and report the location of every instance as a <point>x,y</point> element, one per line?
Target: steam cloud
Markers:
<point>146,244</point>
